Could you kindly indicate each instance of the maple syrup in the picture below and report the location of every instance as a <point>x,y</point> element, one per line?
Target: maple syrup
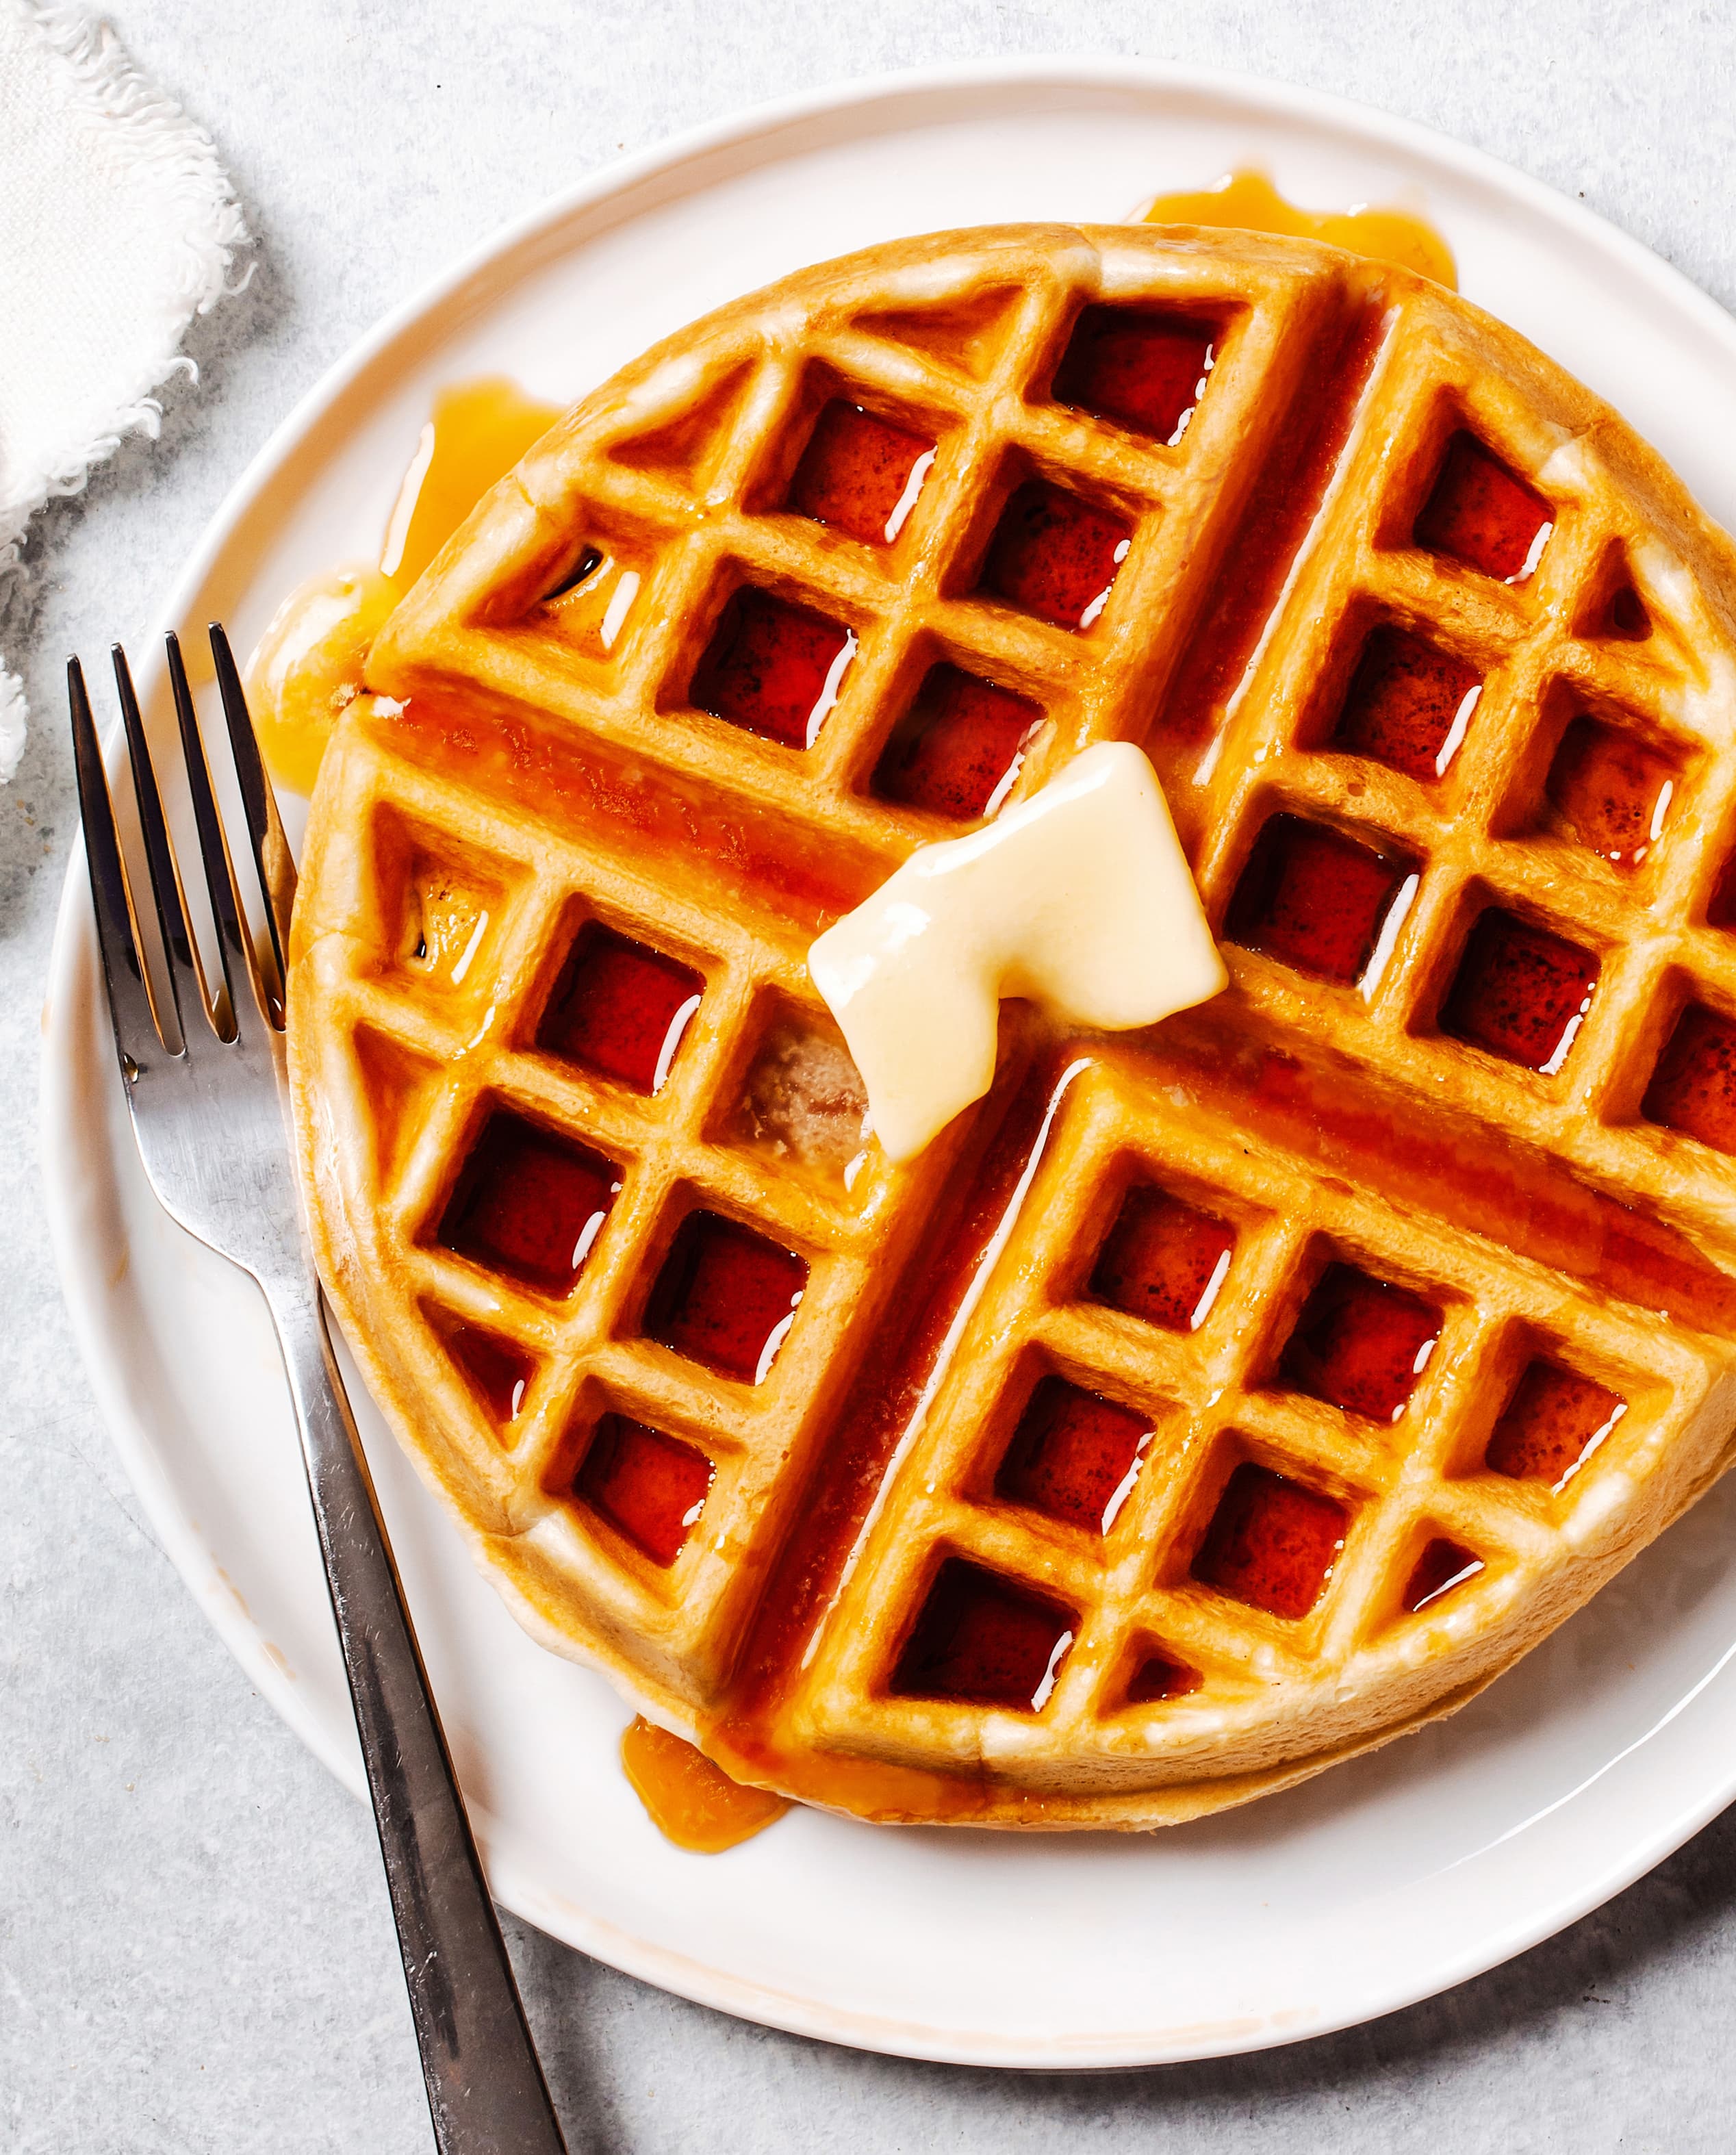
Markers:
<point>1520,993</point>
<point>1442,1566</point>
<point>1500,1188</point>
<point>1693,1088</point>
<point>1360,1343</point>
<point>1271,1542</point>
<point>860,475</point>
<point>445,922</point>
<point>1484,515</point>
<point>1316,899</point>
<point>528,1203</point>
<point>1721,906</point>
<point>1286,499</point>
<point>983,1642</point>
<point>1163,1261</point>
<point>619,1009</point>
<point>689,1800</point>
<point>1554,1421</point>
<point>1625,617</point>
<point>1074,1456</point>
<point>726,1296</point>
<point>1055,554</point>
<point>1146,372</point>
<point>651,1488</point>
<point>307,669</point>
<point>960,747</point>
<point>1249,202</point>
<point>1409,705</point>
<point>309,665</point>
<point>773,668</point>
<point>1611,790</point>
<point>496,1371</point>
<point>1158,1676</point>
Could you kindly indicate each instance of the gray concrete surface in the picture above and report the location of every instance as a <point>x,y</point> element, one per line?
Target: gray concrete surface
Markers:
<point>194,1950</point>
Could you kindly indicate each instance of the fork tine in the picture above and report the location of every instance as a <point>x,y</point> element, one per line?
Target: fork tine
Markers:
<point>137,1042</point>
<point>271,857</point>
<point>234,944</point>
<point>180,953</point>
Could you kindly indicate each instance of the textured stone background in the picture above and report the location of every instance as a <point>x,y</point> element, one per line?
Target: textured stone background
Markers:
<point>194,1949</point>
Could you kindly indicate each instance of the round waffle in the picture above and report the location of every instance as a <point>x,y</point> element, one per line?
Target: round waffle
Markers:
<point>1208,1404</point>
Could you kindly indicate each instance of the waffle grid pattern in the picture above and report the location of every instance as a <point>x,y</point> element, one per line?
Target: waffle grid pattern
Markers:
<point>479,620</point>
<point>471,1046</point>
<point>1476,835</point>
<point>677,468</point>
<point>1217,1397</point>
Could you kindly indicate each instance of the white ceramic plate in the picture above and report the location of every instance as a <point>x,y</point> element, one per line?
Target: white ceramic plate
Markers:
<point>1373,1885</point>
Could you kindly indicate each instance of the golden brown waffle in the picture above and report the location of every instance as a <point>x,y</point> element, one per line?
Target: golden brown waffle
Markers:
<point>1208,1404</point>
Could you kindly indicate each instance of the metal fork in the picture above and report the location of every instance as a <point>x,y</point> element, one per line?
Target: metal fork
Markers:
<point>209,1120</point>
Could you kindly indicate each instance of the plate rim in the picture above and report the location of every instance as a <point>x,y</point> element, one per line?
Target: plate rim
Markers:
<point>503,256</point>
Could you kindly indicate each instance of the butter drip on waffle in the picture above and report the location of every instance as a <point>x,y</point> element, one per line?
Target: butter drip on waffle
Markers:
<point>1210,1403</point>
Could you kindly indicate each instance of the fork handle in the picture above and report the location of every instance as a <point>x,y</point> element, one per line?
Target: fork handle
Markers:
<point>486,2091</point>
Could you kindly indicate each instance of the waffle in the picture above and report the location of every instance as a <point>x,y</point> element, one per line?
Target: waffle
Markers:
<point>1208,1404</point>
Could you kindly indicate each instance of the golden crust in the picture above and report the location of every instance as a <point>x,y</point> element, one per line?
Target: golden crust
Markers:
<point>544,773</point>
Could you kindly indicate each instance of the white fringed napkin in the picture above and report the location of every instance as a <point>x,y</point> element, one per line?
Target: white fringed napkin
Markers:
<point>117,225</point>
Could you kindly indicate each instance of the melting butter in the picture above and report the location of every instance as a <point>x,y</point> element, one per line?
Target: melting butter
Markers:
<point>1080,899</point>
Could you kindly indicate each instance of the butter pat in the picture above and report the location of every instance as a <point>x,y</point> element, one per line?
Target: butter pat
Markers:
<point>1079,899</point>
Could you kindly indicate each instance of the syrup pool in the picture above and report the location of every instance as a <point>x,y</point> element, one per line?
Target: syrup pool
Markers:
<point>1074,1456</point>
<point>650,1486</point>
<point>689,1800</point>
<point>1271,1542</point>
<point>726,1296</point>
<point>309,665</point>
<point>1249,202</point>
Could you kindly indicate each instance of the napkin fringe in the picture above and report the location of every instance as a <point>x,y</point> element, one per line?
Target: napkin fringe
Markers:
<point>210,229</point>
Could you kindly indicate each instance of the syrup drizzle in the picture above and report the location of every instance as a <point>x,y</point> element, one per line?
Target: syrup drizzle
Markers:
<point>1360,1343</point>
<point>1442,1566</point>
<point>1320,901</point>
<point>773,668</point>
<point>983,1642</point>
<point>1521,993</point>
<point>1247,202</point>
<point>1163,1261</point>
<point>1409,705</point>
<point>1146,370</point>
<point>689,1798</point>
<point>1612,791</point>
<point>1483,515</point>
<point>308,665</point>
<point>528,1203</point>
<point>1693,1088</point>
<point>959,749</point>
<point>651,1488</point>
<point>1553,1422</point>
<point>1160,1677</point>
<point>1286,498</point>
<point>496,1370</point>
